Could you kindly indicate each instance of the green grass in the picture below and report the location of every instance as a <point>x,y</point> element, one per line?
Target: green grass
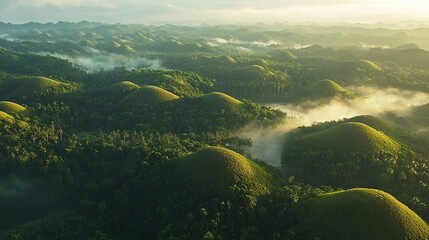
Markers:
<point>148,95</point>
<point>5,117</point>
<point>349,137</point>
<point>361,214</point>
<point>122,87</point>
<point>218,100</point>
<point>11,107</point>
<point>38,86</point>
<point>368,65</point>
<point>322,89</point>
<point>227,59</point>
<point>376,123</point>
<point>217,169</point>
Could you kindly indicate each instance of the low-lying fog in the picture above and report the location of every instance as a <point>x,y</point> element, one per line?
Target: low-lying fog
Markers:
<point>268,143</point>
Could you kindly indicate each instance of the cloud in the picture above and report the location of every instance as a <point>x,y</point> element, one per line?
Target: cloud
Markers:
<point>58,3</point>
<point>268,143</point>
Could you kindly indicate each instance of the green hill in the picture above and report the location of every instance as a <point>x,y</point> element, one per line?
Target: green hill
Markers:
<point>226,60</point>
<point>39,86</point>
<point>321,90</point>
<point>361,214</point>
<point>217,169</point>
<point>284,56</point>
<point>217,100</point>
<point>376,123</point>
<point>11,107</point>
<point>368,65</point>
<point>5,117</point>
<point>349,137</point>
<point>148,95</point>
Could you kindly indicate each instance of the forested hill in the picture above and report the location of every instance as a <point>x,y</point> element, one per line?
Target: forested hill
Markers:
<point>136,132</point>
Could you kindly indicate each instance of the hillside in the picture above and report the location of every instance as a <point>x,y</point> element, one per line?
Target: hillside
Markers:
<point>5,117</point>
<point>322,90</point>
<point>361,214</point>
<point>349,137</point>
<point>11,107</point>
<point>39,86</point>
<point>217,100</point>
<point>376,123</point>
<point>217,169</point>
<point>148,95</point>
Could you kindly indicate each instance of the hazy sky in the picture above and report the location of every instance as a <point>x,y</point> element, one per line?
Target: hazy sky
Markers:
<point>213,11</point>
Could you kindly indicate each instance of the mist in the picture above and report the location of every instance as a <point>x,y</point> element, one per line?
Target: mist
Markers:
<point>103,61</point>
<point>24,199</point>
<point>267,144</point>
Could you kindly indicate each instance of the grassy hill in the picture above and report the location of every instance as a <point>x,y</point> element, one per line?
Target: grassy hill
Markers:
<point>323,89</point>
<point>361,214</point>
<point>218,100</point>
<point>376,123</point>
<point>349,137</point>
<point>39,86</point>
<point>217,169</point>
<point>11,107</point>
<point>148,95</point>
<point>5,117</point>
<point>408,46</point>
<point>368,65</point>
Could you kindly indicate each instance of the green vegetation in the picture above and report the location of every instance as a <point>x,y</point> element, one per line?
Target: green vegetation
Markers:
<point>375,122</point>
<point>11,107</point>
<point>322,90</point>
<point>350,137</point>
<point>40,86</point>
<point>120,149</point>
<point>361,214</point>
<point>5,117</point>
<point>218,169</point>
<point>148,95</point>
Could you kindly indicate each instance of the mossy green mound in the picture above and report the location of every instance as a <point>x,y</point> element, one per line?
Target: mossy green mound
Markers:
<point>6,117</point>
<point>217,169</point>
<point>375,122</point>
<point>216,100</point>
<point>39,86</point>
<point>284,56</point>
<point>349,137</point>
<point>11,107</point>
<point>368,65</point>
<point>361,214</point>
<point>321,90</point>
<point>227,60</point>
<point>148,95</point>
<point>122,87</point>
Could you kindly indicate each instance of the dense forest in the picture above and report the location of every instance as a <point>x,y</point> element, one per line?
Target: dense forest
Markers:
<point>150,132</point>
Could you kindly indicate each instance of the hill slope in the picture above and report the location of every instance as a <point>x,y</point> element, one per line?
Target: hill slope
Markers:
<point>11,107</point>
<point>320,90</point>
<point>148,95</point>
<point>361,214</point>
<point>39,86</point>
<point>217,169</point>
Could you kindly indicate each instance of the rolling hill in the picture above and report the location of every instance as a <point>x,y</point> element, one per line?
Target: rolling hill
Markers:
<point>148,95</point>
<point>5,117</point>
<point>11,107</point>
<point>218,100</point>
<point>349,137</point>
<point>39,86</point>
<point>322,90</point>
<point>217,169</point>
<point>361,214</point>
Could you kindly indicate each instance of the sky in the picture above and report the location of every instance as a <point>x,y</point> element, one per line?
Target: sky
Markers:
<point>214,11</point>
